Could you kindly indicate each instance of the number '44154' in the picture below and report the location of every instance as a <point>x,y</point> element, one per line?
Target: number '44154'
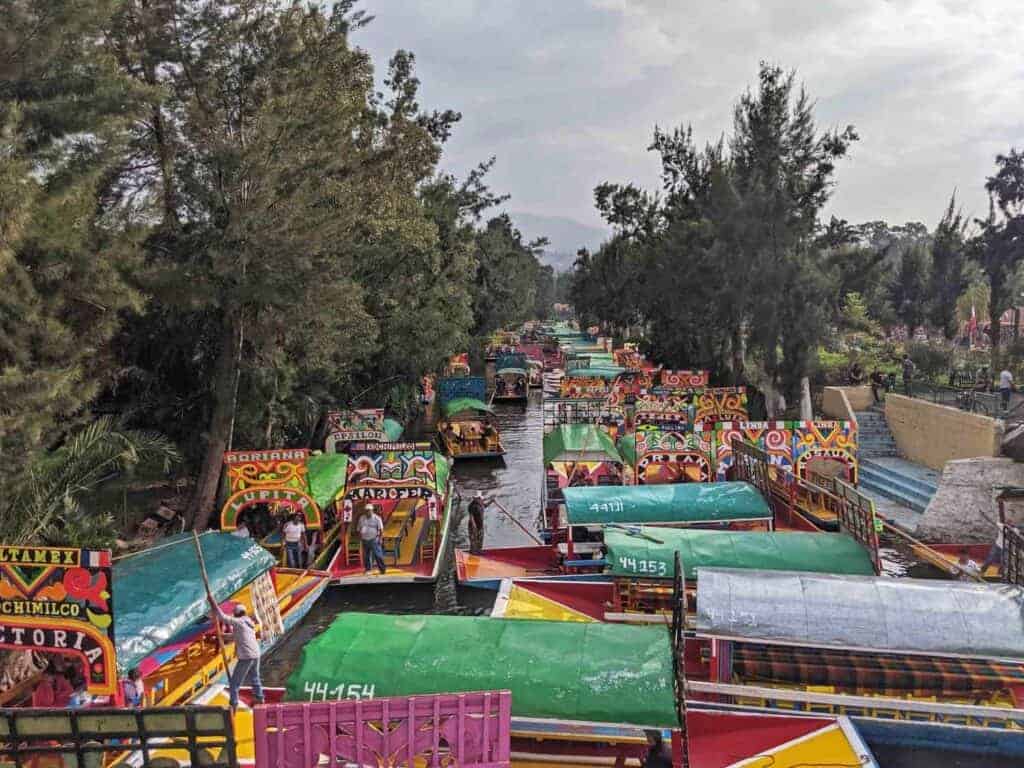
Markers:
<point>321,691</point>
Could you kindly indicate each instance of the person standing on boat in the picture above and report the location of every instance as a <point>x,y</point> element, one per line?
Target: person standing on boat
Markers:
<point>53,690</point>
<point>659,754</point>
<point>247,654</point>
<point>476,521</point>
<point>294,533</point>
<point>371,532</point>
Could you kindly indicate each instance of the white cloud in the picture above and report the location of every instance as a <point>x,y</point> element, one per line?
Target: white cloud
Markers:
<point>566,93</point>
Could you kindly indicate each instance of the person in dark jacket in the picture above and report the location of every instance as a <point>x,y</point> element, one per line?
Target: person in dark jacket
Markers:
<point>659,754</point>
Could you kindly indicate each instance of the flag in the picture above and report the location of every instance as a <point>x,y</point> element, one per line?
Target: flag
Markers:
<point>972,324</point>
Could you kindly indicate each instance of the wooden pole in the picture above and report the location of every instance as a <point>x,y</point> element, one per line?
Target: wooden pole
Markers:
<point>212,601</point>
<point>522,527</point>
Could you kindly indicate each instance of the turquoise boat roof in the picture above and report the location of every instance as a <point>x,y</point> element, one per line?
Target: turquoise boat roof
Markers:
<point>683,504</point>
<point>159,592</point>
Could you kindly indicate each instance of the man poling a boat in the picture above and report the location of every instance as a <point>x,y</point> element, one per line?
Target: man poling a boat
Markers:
<point>247,653</point>
<point>476,520</point>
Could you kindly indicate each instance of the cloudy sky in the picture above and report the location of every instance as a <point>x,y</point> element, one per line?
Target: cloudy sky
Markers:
<point>565,92</point>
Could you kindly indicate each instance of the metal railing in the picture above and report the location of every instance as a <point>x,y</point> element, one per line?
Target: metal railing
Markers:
<point>973,401</point>
<point>40,738</point>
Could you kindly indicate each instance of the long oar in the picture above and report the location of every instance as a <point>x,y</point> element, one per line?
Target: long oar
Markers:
<point>213,602</point>
<point>522,527</point>
<point>634,531</point>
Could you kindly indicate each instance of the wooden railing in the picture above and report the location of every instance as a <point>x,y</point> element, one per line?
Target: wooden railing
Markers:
<point>470,730</point>
<point>1013,555</point>
<point>788,701</point>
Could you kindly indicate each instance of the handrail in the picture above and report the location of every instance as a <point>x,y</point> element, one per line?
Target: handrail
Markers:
<point>1014,717</point>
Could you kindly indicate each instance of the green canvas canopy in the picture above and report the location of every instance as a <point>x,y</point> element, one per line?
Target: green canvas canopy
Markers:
<point>326,474</point>
<point>627,448</point>
<point>682,504</point>
<point>442,469</point>
<point>650,552</point>
<point>511,372</point>
<point>579,442</point>
<point>159,592</point>
<point>393,430</point>
<point>606,673</point>
<point>463,404</point>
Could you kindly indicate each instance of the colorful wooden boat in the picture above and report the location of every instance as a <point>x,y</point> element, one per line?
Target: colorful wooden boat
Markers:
<point>577,455</point>
<point>265,488</point>
<point>469,430</point>
<point>364,425</point>
<point>555,670</point>
<point>147,611</point>
<point>642,584</point>
<point>576,538</point>
<point>458,366</point>
<point>758,740</point>
<point>511,385</point>
<point>409,484</point>
<point>942,641</point>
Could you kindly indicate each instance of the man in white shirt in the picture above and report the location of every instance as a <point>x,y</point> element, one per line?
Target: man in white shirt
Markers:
<point>371,533</point>
<point>294,532</point>
<point>1005,386</point>
<point>247,653</point>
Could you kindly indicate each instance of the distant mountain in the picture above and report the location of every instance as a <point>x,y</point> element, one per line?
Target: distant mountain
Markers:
<point>565,235</point>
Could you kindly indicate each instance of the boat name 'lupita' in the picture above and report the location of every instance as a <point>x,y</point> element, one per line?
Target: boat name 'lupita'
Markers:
<point>268,494</point>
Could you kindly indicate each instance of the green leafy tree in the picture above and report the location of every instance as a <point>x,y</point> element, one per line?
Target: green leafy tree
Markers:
<point>64,114</point>
<point>909,290</point>
<point>948,276</point>
<point>45,506</point>
<point>285,187</point>
<point>999,247</point>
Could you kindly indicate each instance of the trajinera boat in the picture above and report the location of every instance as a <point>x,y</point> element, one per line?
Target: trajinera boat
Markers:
<point>864,635</point>
<point>511,379</point>
<point>146,611</point>
<point>556,671</point>
<point>469,430</point>
<point>407,483</point>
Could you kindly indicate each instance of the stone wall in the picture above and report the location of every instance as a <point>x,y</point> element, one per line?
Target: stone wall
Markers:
<point>843,402</point>
<point>964,509</point>
<point>932,434</point>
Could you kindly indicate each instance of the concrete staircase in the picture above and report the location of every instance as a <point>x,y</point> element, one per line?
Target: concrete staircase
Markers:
<point>904,482</point>
<point>873,435</point>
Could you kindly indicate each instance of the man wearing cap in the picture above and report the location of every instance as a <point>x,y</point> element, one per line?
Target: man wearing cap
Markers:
<point>247,653</point>
<point>371,532</point>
